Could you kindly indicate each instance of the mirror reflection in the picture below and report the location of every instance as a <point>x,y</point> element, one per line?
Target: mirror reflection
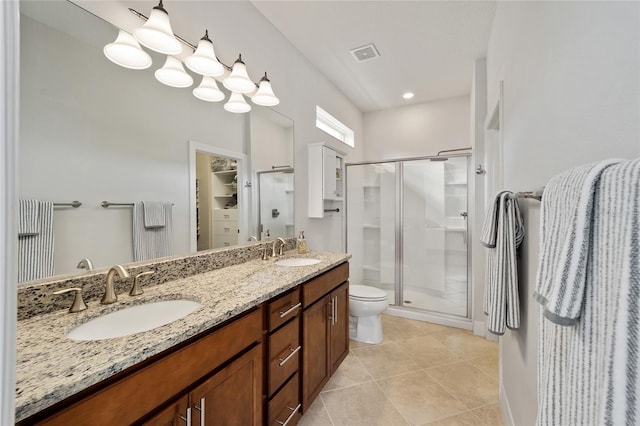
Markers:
<point>93,131</point>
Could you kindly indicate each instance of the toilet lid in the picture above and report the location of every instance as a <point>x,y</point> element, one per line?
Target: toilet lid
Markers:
<point>365,292</point>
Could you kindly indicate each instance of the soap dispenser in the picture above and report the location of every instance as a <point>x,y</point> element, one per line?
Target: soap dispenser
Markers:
<point>302,243</point>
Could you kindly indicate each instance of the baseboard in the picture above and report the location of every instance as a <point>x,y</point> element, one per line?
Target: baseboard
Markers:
<point>479,328</point>
<point>463,323</point>
<point>505,408</point>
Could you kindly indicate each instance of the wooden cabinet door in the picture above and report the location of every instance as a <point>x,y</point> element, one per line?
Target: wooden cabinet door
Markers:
<point>339,344</point>
<point>315,356</point>
<point>233,396</point>
<point>174,415</point>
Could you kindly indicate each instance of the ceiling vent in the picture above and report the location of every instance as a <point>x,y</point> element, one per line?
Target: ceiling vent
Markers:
<point>364,53</point>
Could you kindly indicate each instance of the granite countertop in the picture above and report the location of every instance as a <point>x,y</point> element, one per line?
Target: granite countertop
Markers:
<point>51,367</point>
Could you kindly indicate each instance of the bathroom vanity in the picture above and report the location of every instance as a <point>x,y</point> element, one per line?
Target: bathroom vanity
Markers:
<point>258,351</point>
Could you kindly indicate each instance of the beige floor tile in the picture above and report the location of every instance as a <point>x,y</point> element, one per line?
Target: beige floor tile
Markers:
<point>469,346</point>
<point>351,372</point>
<point>419,398</point>
<point>487,364</point>
<point>466,383</point>
<point>464,419</point>
<point>489,415</point>
<point>396,328</point>
<point>385,360</point>
<point>316,415</point>
<point>484,416</point>
<point>427,352</point>
<point>364,405</point>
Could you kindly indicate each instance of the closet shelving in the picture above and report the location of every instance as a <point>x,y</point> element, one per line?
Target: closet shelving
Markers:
<point>225,213</point>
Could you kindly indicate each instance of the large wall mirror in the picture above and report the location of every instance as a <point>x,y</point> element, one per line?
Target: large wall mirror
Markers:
<point>92,131</point>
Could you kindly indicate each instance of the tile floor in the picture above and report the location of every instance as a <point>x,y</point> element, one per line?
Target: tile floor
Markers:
<point>421,374</point>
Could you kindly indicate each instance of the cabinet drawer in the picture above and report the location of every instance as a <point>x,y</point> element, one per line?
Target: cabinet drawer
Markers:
<point>284,308</point>
<point>286,405</point>
<point>284,354</point>
<point>225,229</point>
<point>225,214</point>
<point>225,240</point>
<point>323,284</point>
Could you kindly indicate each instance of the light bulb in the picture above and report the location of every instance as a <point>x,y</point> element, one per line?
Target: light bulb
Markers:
<point>265,96</point>
<point>173,74</point>
<point>239,81</point>
<point>208,90</point>
<point>126,52</point>
<point>204,61</point>
<point>156,33</point>
<point>236,103</point>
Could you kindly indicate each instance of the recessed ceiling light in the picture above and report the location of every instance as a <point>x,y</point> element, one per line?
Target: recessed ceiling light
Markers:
<point>408,95</point>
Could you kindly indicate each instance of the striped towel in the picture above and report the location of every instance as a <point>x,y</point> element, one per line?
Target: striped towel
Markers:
<point>502,233</point>
<point>28,218</point>
<point>588,372</point>
<point>35,250</point>
<point>151,243</point>
<point>154,216</point>
<point>567,215</point>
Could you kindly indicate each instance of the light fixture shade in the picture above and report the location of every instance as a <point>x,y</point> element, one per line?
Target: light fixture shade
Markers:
<point>239,81</point>
<point>208,90</point>
<point>126,52</point>
<point>173,74</point>
<point>204,61</point>
<point>265,96</point>
<point>236,103</point>
<point>156,33</point>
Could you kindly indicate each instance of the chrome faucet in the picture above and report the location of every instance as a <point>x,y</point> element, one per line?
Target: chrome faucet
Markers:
<point>85,264</point>
<point>273,247</point>
<point>109,291</point>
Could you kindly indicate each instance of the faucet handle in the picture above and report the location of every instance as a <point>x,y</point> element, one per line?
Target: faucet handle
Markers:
<point>78,304</point>
<point>264,253</point>
<point>136,290</point>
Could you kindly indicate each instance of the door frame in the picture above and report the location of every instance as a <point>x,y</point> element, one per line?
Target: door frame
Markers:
<point>243,199</point>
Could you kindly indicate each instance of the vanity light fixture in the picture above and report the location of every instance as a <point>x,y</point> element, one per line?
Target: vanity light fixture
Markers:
<point>204,61</point>
<point>126,52</point>
<point>173,74</point>
<point>156,33</point>
<point>208,90</point>
<point>236,103</point>
<point>264,95</point>
<point>239,81</point>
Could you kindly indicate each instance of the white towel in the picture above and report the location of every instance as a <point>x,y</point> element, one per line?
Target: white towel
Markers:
<point>154,216</point>
<point>28,218</point>
<point>502,234</point>
<point>35,251</point>
<point>151,243</point>
<point>589,285</point>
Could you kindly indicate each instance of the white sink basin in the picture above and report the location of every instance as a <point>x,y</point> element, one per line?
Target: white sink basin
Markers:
<point>134,319</point>
<point>297,261</point>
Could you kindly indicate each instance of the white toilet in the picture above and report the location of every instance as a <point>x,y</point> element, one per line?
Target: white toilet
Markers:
<point>365,306</point>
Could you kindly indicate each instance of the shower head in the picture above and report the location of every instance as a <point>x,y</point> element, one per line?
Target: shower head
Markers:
<point>439,159</point>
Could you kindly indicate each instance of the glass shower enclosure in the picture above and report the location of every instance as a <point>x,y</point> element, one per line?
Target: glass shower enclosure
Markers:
<point>407,232</point>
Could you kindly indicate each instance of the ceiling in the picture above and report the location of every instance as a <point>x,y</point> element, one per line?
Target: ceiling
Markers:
<point>426,47</point>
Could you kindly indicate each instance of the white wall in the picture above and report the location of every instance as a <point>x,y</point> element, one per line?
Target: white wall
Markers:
<point>417,130</point>
<point>571,96</point>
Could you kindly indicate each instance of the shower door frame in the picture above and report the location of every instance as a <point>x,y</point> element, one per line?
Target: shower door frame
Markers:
<point>398,309</point>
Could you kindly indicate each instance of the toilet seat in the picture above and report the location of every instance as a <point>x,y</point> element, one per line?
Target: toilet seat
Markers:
<point>366,293</point>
